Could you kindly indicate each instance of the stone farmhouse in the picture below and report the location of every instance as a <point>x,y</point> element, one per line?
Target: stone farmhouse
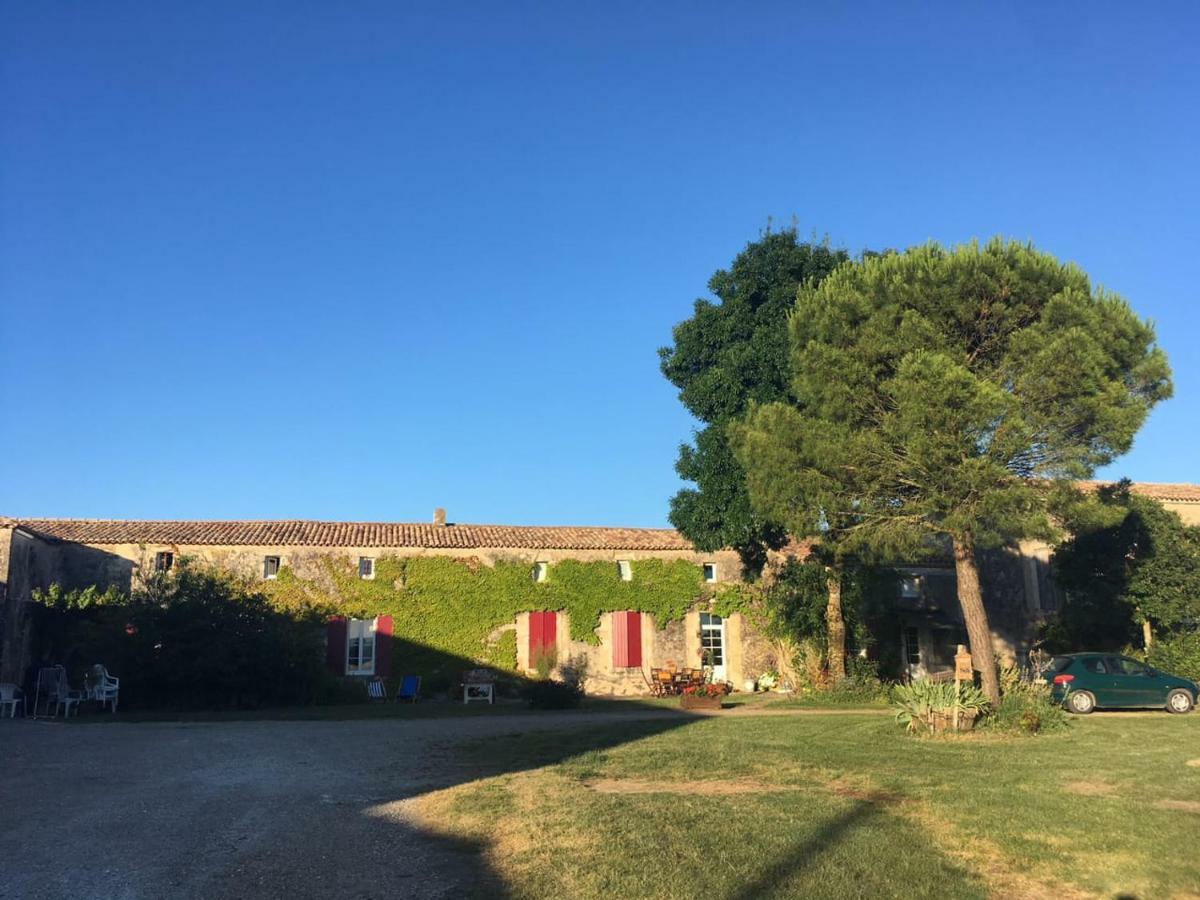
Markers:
<point>621,649</point>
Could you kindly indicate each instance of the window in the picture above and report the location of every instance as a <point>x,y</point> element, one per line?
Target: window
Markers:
<point>625,569</point>
<point>539,571</point>
<point>163,561</point>
<point>360,646</point>
<point>912,646</point>
<point>1123,666</point>
<point>910,587</point>
<point>710,572</point>
<point>1060,663</point>
<point>712,643</point>
<point>366,567</point>
<point>270,567</point>
<point>1095,665</point>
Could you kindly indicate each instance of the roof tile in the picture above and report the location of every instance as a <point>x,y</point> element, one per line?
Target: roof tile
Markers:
<point>299,533</point>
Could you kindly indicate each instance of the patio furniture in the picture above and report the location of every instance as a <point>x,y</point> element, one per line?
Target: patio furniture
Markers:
<point>102,687</point>
<point>376,689</point>
<point>479,684</point>
<point>410,688</point>
<point>10,698</point>
<point>53,690</point>
<point>666,681</point>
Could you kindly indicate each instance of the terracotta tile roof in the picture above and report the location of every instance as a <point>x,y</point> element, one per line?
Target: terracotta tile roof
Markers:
<point>1178,493</point>
<point>302,533</point>
<point>356,534</point>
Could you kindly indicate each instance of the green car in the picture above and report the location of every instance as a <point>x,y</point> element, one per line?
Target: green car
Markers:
<point>1085,681</point>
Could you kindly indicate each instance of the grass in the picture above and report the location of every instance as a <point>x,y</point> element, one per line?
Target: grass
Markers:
<point>390,710</point>
<point>834,806</point>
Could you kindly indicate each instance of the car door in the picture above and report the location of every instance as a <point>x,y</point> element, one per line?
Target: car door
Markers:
<point>1132,683</point>
<point>1095,675</point>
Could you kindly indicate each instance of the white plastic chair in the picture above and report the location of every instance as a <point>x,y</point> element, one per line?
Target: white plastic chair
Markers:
<point>103,687</point>
<point>10,698</point>
<point>53,690</point>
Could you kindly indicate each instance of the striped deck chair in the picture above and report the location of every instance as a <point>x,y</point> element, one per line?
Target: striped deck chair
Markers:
<point>376,689</point>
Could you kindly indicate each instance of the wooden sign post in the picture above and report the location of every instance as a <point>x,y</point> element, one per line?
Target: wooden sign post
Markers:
<point>963,671</point>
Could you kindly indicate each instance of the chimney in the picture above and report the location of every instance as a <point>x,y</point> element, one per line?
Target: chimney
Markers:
<point>439,517</point>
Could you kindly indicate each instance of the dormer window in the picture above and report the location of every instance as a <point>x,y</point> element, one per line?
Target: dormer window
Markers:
<point>625,569</point>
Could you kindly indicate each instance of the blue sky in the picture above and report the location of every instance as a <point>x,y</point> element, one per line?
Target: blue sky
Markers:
<point>356,261</point>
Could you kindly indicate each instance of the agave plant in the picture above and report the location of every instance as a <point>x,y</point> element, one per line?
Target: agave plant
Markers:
<point>924,703</point>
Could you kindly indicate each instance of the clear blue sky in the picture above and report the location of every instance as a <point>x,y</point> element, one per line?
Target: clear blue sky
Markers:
<point>355,261</point>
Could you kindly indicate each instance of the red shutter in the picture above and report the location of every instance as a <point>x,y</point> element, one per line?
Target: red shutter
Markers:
<point>543,627</point>
<point>383,646</point>
<point>627,640</point>
<point>335,645</point>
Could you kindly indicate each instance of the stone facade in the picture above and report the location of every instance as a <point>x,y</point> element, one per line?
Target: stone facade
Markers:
<point>35,553</point>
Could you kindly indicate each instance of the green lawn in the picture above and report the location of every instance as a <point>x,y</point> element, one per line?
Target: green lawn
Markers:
<point>835,806</point>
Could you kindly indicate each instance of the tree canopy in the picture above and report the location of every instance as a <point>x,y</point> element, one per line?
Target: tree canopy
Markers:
<point>730,353</point>
<point>941,392</point>
<point>1136,562</point>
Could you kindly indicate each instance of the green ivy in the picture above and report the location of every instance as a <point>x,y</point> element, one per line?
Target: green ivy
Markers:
<point>452,606</point>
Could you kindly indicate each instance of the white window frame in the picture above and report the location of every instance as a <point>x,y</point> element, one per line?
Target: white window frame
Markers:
<point>625,569</point>
<point>161,557</point>
<point>268,575</point>
<point>540,571</point>
<point>710,573</point>
<point>361,635</point>
<point>370,574</point>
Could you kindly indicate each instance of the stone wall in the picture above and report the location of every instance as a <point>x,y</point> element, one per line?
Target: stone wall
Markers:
<point>27,563</point>
<point>115,563</point>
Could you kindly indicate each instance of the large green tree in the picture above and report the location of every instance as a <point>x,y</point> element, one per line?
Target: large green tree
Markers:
<point>734,351</point>
<point>945,393</point>
<point>1131,571</point>
<point>729,354</point>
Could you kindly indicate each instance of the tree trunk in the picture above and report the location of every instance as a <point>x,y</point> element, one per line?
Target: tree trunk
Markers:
<point>1147,634</point>
<point>970,596</point>
<point>835,626</point>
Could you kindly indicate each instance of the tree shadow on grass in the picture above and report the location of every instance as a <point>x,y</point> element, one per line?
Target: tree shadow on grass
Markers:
<point>884,856</point>
<point>805,853</point>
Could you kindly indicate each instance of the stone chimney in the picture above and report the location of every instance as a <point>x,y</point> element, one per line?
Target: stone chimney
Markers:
<point>439,517</point>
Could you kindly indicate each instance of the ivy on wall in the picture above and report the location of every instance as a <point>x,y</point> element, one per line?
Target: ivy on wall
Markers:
<point>452,606</point>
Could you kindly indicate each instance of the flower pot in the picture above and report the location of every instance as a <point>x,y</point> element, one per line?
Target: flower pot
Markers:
<point>749,685</point>
<point>692,701</point>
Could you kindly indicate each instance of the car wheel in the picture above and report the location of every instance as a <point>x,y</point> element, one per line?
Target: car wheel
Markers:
<point>1179,701</point>
<point>1081,702</point>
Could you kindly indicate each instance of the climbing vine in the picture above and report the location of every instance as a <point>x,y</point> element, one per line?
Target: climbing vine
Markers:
<point>442,605</point>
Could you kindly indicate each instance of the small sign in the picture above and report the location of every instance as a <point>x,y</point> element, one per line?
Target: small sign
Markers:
<point>963,670</point>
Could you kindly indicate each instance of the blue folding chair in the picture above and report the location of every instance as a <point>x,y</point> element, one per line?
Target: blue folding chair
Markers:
<point>410,688</point>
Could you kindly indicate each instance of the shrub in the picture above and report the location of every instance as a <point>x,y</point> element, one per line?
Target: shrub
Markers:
<point>1025,707</point>
<point>193,638</point>
<point>546,693</point>
<point>549,694</point>
<point>930,705</point>
<point>1178,654</point>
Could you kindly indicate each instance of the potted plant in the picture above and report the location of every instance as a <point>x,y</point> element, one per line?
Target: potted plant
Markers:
<point>702,696</point>
<point>930,706</point>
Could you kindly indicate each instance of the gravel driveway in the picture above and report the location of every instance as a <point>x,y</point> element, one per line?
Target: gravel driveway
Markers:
<point>237,809</point>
